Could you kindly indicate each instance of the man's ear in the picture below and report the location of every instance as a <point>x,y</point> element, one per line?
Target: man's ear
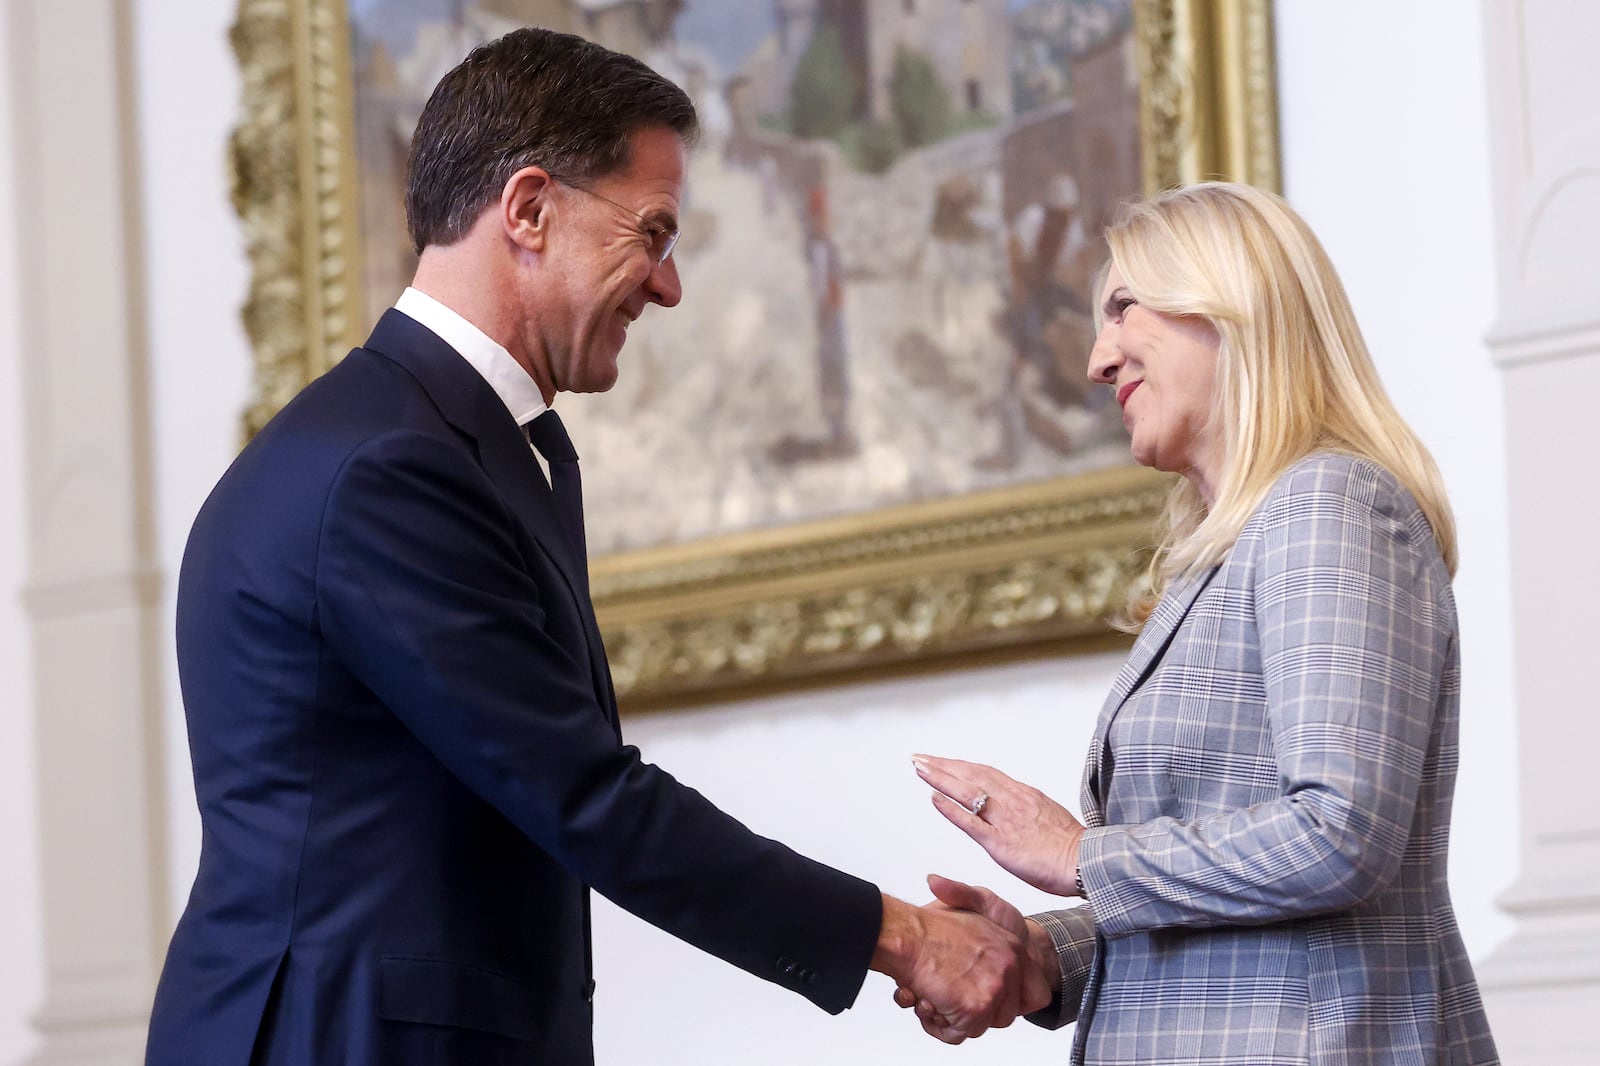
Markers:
<point>527,208</point>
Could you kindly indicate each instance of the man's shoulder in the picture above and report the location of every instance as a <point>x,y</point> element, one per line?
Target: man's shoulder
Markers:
<point>359,400</point>
<point>364,391</point>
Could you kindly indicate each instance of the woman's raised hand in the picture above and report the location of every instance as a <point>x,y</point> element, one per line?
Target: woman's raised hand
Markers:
<point>1022,829</point>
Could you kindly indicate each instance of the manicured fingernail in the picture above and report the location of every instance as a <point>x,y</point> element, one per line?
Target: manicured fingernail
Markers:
<point>920,762</point>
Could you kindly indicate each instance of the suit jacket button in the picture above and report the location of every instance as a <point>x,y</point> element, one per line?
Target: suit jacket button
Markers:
<point>810,976</point>
<point>785,964</point>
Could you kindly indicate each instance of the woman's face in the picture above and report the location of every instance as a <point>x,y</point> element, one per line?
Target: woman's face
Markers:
<point>1163,369</point>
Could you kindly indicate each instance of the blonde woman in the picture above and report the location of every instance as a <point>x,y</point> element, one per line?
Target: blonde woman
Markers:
<point>1267,795</point>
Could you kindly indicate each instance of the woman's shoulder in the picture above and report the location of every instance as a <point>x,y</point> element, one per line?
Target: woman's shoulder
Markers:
<point>1338,513</point>
<point>1341,476</point>
<point>1336,497</point>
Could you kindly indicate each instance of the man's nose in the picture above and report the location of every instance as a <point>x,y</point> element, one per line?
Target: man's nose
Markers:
<point>663,285</point>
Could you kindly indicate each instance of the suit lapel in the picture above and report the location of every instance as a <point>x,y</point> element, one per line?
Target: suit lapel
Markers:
<point>1153,642</point>
<point>469,404</point>
<point>510,464</point>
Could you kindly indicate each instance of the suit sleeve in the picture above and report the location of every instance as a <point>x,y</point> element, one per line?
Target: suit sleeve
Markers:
<point>424,592</point>
<point>1354,630</point>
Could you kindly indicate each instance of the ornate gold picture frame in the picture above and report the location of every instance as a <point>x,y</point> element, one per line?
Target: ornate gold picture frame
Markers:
<point>1029,567</point>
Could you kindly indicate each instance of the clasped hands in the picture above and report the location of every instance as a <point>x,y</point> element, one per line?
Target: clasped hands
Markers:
<point>980,963</point>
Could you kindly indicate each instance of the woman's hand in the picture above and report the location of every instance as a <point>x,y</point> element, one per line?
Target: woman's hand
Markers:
<point>1022,829</point>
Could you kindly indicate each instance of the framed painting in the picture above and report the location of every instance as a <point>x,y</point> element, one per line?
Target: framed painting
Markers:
<point>864,440</point>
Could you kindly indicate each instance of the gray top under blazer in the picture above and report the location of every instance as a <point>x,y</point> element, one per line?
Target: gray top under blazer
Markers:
<point>1268,800</point>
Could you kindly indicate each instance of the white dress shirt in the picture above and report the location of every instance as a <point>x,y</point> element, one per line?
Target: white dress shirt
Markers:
<point>514,385</point>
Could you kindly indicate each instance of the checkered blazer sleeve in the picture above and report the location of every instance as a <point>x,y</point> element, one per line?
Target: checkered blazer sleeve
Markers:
<point>1348,600</point>
<point>1072,932</point>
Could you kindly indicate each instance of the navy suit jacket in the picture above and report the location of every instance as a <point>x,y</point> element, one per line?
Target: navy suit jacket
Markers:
<point>408,762</point>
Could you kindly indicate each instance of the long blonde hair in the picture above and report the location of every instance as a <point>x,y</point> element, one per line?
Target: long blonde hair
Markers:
<point>1293,373</point>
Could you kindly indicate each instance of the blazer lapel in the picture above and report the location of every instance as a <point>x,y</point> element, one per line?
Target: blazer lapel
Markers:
<point>1153,642</point>
<point>1155,638</point>
<point>469,404</point>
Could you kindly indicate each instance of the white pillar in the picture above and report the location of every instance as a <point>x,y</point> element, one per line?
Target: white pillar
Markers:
<point>92,584</point>
<point>1543,985</point>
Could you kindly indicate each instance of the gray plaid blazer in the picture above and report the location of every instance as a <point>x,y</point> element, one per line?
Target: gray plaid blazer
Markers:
<point>1268,800</point>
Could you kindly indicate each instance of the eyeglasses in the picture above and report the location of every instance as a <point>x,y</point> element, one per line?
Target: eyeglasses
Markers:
<point>662,240</point>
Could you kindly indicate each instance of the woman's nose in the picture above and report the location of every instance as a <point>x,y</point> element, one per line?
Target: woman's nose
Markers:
<point>1104,359</point>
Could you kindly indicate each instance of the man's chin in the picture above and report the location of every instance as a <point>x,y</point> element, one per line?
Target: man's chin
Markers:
<point>598,381</point>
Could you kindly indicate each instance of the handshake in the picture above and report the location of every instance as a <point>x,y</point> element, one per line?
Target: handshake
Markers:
<point>967,962</point>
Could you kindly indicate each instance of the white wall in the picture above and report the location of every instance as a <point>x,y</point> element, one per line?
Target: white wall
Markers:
<point>829,773</point>
<point>197,278</point>
<point>21,958</point>
<point>1385,154</point>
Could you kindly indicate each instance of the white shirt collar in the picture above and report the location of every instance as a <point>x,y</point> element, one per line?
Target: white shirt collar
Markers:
<point>514,385</point>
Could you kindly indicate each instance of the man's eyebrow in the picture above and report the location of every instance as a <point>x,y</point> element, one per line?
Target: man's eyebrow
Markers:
<point>663,217</point>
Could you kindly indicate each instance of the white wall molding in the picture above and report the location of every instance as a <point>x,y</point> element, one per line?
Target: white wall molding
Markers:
<point>1545,146</point>
<point>1518,340</point>
<point>138,587</point>
<point>1546,163</point>
<point>93,587</point>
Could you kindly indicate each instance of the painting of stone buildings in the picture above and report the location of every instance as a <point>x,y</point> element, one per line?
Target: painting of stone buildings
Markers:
<point>890,234</point>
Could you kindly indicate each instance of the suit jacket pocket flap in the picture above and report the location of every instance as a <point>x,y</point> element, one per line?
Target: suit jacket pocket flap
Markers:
<point>440,992</point>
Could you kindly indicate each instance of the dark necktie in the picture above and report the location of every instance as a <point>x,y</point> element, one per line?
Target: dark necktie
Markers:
<point>547,434</point>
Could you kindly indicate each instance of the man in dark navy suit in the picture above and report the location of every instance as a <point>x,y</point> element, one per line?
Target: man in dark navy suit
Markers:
<point>405,743</point>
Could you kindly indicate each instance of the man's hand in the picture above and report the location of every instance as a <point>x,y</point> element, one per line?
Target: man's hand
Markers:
<point>973,974</point>
<point>1041,953</point>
